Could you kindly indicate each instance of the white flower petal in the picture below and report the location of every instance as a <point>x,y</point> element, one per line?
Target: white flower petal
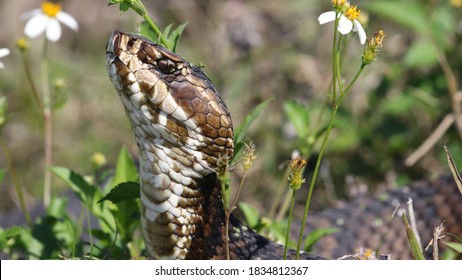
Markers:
<point>361,33</point>
<point>36,25</point>
<point>344,25</point>
<point>68,20</point>
<point>53,30</point>
<point>4,52</point>
<point>326,17</point>
<point>30,14</point>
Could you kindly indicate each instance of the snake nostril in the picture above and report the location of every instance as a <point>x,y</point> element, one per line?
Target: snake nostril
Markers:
<point>130,43</point>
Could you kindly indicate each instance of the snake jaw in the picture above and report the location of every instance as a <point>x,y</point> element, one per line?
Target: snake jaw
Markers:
<point>181,126</point>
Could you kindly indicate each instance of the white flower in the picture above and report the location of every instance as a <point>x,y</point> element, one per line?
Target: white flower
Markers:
<point>346,23</point>
<point>3,52</point>
<point>47,19</point>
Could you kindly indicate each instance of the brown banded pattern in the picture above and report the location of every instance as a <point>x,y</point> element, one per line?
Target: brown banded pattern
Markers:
<point>181,126</point>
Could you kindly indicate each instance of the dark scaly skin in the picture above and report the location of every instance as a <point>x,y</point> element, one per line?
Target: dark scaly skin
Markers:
<point>196,137</point>
<point>367,222</point>
<point>181,126</point>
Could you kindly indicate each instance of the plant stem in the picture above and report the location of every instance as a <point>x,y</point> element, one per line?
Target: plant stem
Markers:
<point>229,209</point>
<point>47,118</point>
<point>335,106</point>
<point>89,233</point>
<point>30,80</point>
<point>16,181</point>
<point>292,203</point>
<point>313,179</point>
<point>141,10</point>
<point>347,89</point>
<point>227,213</point>
<point>337,66</point>
<point>233,204</point>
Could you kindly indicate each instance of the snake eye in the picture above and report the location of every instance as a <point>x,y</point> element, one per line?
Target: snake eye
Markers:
<point>166,66</point>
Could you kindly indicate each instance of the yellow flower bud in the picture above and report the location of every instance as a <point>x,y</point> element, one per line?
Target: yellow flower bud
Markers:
<point>373,47</point>
<point>297,166</point>
<point>22,44</point>
<point>249,156</point>
<point>98,160</point>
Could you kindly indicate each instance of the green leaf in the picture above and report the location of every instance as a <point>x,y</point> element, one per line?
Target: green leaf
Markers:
<point>11,232</point>
<point>2,175</point>
<point>241,130</point>
<point>316,235</point>
<point>113,2</point>
<point>88,194</point>
<point>250,213</point>
<point>57,207</point>
<point>399,105</point>
<point>122,192</point>
<point>238,148</point>
<point>415,247</point>
<point>172,37</point>
<point>3,110</point>
<point>147,31</point>
<point>124,6</point>
<point>406,13</point>
<point>443,26</point>
<point>421,54</point>
<point>175,36</point>
<point>455,246</point>
<point>125,169</point>
<point>84,191</point>
<point>299,116</point>
<point>279,230</point>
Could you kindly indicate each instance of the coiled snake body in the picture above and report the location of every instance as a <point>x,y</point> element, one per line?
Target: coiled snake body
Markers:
<point>181,126</point>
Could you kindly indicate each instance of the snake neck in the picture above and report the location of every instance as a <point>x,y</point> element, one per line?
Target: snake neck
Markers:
<point>182,214</point>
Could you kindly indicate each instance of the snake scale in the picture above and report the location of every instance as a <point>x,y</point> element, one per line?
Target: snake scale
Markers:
<point>182,126</point>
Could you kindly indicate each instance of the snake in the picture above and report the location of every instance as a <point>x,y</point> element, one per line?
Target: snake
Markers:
<point>182,128</point>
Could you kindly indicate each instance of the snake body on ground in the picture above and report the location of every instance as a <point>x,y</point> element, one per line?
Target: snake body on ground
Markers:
<point>182,126</point>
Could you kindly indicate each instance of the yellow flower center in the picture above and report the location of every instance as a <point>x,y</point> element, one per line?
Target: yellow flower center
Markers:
<point>352,13</point>
<point>51,9</point>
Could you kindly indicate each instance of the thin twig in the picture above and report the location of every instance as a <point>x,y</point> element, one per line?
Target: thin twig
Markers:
<point>410,209</point>
<point>430,142</point>
<point>438,234</point>
<point>452,89</point>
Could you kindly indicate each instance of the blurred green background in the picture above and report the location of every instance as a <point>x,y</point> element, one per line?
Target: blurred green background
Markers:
<point>253,51</point>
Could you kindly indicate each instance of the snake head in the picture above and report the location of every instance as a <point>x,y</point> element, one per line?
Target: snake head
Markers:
<point>169,100</point>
